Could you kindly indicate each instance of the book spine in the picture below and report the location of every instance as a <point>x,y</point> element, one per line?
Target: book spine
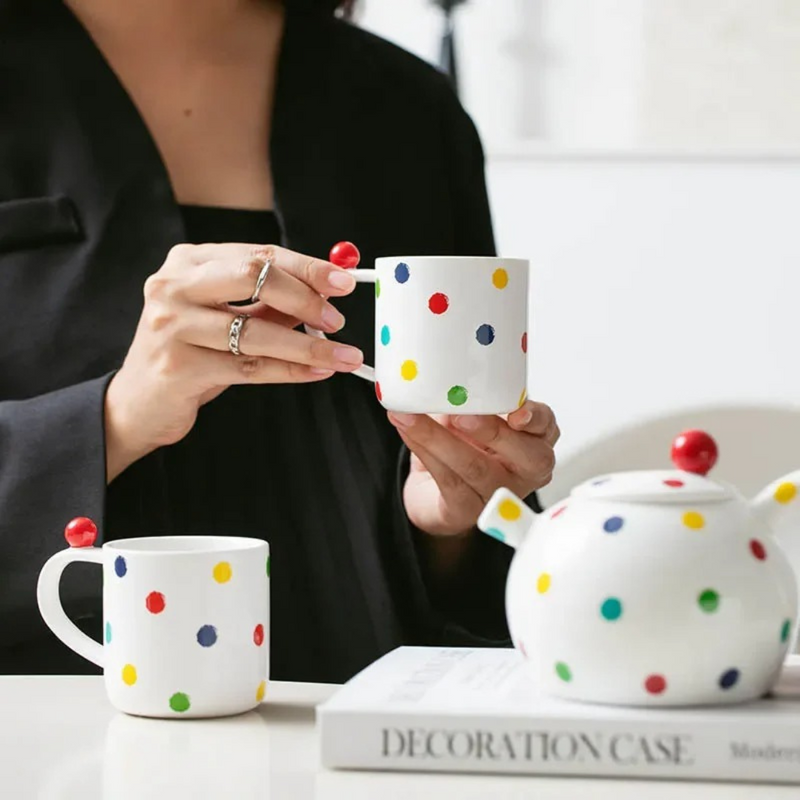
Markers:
<point>755,752</point>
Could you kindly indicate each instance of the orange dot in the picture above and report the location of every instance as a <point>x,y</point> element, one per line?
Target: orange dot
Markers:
<point>509,510</point>
<point>786,492</point>
<point>543,583</point>
<point>500,278</point>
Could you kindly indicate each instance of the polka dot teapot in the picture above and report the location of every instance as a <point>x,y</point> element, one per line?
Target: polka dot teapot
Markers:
<point>654,587</point>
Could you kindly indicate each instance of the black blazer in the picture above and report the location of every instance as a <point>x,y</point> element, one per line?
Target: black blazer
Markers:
<point>368,144</point>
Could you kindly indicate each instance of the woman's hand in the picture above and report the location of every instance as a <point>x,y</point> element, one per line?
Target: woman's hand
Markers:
<point>179,358</point>
<point>458,462</point>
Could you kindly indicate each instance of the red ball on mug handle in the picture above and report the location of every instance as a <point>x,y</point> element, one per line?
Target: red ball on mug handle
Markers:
<point>80,532</point>
<point>345,255</point>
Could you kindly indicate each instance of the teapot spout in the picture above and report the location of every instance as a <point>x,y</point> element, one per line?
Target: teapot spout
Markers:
<point>506,518</point>
<point>778,505</point>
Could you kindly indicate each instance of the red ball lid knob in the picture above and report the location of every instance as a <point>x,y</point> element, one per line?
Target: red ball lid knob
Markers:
<point>345,255</point>
<point>694,451</point>
<point>81,532</point>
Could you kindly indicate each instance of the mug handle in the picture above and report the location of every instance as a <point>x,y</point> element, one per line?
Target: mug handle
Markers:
<point>49,599</point>
<point>364,371</point>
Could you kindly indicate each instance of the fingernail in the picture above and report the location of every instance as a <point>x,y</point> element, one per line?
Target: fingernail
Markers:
<point>320,371</point>
<point>404,420</point>
<point>348,355</point>
<point>525,417</point>
<point>340,279</point>
<point>467,423</point>
<point>332,318</point>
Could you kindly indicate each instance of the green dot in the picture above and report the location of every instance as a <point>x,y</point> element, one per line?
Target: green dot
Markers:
<point>611,609</point>
<point>563,672</point>
<point>269,566</point>
<point>708,600</point>
<point>179,702</point>
<point>457,395</point>
<point>786,629</point>
<point>377,288</point>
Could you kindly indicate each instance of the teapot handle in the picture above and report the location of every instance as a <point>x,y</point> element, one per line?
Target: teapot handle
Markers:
<point>506,518</point>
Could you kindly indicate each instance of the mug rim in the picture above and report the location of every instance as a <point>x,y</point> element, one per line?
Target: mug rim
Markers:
<point>517,261</point>
<point>210,545</point>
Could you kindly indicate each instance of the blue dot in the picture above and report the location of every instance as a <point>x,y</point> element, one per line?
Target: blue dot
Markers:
<point>108,632</point>
<point>729,679</point>
<point>385,335</point>
<point>401,272</point>
<point>612,524</point>
<point>485,334</point>
<point>600,482</point>
<point>207,635</point>
<point>496,534</point>
<point>120,567</point>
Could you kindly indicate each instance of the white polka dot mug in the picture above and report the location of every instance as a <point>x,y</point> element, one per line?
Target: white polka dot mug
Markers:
<point>186,620</point>
<point>450,333</point>
<point>654,587</point>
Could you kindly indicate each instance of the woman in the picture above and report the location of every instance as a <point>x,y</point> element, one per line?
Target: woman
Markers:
<point>135,134</point>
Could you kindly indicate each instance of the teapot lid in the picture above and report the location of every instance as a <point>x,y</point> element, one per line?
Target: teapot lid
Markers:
<point>694,453</point>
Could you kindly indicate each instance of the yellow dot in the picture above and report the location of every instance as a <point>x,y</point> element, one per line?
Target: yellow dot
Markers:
<point>543,583</point>
<point>222,572</point>
<point>261,691</point>
<point>509,510</point>
<point>500,278</point>
<point>694,520</point>
<point>522,398</point>
<point>786,492</point>
<point>129,674</point>
<point>409,370</point>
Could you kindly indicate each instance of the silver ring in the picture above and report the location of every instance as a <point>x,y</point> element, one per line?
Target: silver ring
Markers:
<point>235,331</point>
<point>262,277</point>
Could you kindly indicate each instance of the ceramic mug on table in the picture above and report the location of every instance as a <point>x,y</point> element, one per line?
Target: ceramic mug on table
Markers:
<point>450,333</point>
<point>186,620</point>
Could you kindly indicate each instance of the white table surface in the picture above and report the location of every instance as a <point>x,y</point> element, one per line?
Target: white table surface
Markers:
<point>60,738</point>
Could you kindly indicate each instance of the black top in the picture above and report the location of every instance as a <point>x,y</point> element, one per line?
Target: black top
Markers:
<point>368,144</point>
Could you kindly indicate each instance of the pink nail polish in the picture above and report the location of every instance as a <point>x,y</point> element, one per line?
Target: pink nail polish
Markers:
<point>340,279</point>
<point>332,318</point>
<point>467,423</point>
<point>350,356</point>
<point>404,420</point>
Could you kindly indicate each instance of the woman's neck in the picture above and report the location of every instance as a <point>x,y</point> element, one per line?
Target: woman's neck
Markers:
<point>180,19</point>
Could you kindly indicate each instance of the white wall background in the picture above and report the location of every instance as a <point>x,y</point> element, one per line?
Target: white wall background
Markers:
<point>660,281</point>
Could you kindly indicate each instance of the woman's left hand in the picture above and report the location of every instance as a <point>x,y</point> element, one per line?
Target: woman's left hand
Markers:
<point>457,463</point>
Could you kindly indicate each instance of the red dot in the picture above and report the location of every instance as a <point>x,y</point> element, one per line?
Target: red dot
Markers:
<point>378,393</point>
<point>522,650</point>
<point>345,254</point>
<point>675,484</point>
<point>155,602</point>
<point>525,342</point>
<point>258,635</point>
<point>439,303</point>
<point>80,532</point>
<point>558,512</point>
<point>655,684</point>
<point>758,550</point>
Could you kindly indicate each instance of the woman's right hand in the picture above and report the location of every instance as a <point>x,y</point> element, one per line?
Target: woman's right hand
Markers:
<point>179,358</point>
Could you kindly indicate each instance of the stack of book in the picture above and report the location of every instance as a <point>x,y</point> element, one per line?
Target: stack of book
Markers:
<point>477,710</point>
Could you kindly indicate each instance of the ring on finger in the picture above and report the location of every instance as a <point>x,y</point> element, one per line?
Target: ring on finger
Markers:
<point>262,277</point>
<point>235,332</point>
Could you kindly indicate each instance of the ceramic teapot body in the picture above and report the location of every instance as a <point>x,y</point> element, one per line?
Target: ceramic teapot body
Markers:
<point>647,588</point>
